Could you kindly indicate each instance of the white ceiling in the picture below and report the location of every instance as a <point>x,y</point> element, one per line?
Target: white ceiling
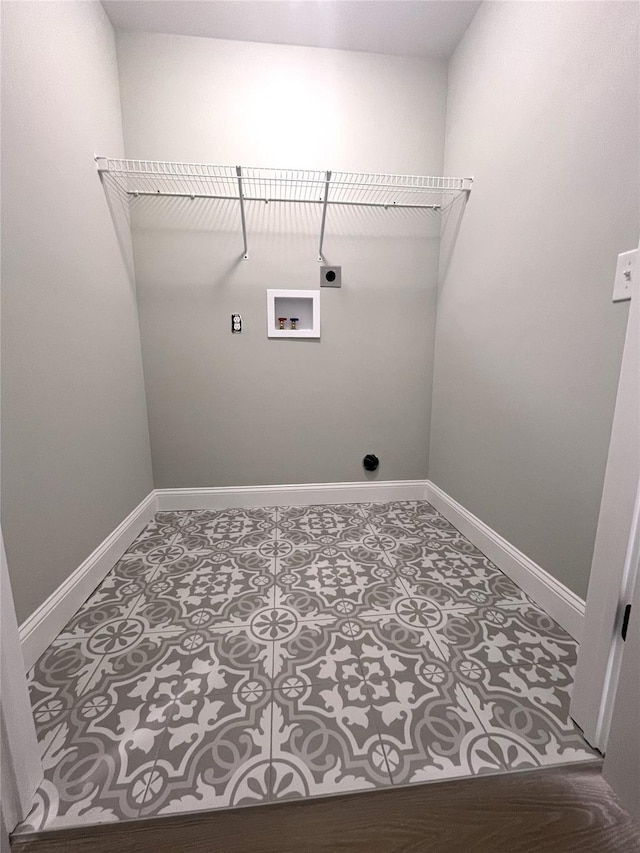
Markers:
<point>428,28</point>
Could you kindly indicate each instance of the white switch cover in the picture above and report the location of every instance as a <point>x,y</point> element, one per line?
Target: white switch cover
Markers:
<point>626,271</point>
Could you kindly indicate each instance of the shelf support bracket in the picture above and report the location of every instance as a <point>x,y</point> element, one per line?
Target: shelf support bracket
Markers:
<point>244,222</point>
<point>324,214</point>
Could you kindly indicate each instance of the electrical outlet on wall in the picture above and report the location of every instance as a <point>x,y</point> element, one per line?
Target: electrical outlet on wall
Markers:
<point>330,276</point>
<point>236,324</point>
<point>626,271</point>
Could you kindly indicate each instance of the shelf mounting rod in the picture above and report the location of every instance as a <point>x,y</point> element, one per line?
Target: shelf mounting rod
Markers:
<point>244,223</point>
<point>324,214</point>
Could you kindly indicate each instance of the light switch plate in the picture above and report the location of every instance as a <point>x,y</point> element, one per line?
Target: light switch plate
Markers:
<point>626,271</point>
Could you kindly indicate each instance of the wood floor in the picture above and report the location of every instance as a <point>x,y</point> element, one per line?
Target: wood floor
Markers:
<point>555,810</point>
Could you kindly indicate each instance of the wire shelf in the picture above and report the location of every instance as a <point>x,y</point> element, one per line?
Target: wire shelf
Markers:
<point>307,186</point>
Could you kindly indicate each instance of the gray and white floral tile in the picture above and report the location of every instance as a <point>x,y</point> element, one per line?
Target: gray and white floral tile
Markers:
<point>317,651</point>
<point>117,650</point>
<point>227,589</point>
<point>342,579</point>
<point>243,656</point>
<point>324,741</point>
<point>96,762</point>
<point>322,525</point>
<point>214,753</point>
<point>440,726</point>
<point>507,635</point>
<point>400,522</point>
<point>229,529</point>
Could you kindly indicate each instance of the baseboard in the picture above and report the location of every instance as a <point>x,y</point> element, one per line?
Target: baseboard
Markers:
<point>305,494</point>
<point>45,623</point>
<point>554,597</point>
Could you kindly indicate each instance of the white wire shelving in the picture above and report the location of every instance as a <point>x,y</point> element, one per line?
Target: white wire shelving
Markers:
<point>137,178</point>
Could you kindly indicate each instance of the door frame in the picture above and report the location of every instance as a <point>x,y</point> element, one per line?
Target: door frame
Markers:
<point>621,767</point>
<point>20,763</point>
<point>614,566</point>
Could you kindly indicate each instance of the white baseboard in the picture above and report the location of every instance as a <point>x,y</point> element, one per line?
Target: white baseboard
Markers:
<point>45,623</point>
<point>305,494</point>
<point>554,597</point>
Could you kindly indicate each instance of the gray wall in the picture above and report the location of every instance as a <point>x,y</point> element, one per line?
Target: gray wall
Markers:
<point>543,109</point>
<point>236,410</point>
<point>75,446</point>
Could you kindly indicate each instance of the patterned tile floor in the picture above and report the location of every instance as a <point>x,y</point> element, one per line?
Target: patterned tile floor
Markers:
<point>246,656</point>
